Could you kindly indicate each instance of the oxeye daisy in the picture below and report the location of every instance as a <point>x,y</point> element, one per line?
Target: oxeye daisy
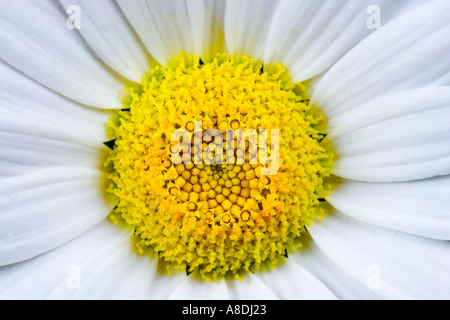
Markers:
<point>200,149</point>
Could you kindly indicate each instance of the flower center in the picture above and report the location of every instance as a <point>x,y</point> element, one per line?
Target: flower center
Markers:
<point>218,166</point>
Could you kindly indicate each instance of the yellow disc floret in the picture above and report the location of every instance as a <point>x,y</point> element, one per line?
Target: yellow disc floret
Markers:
<point>214,211</point>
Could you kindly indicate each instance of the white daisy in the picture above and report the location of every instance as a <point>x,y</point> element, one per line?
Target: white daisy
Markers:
<point>383,86</point>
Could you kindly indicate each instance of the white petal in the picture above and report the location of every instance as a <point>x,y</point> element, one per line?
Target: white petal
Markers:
<point>28,144</point>
<point>214,38</point>
<point>68,270</point>
<point>393,264</point>
<point>167,28</point>
<point>416,207</point>
<point>409,52</point>
<point>343,286</point>
<point>246,26</point>
<point>290,281</point>
<point>309,36</point>
<point>397,137</point>
<point>45,209</point>
<point>251,288</point>
<point>97,265</point>
<point>164,285</point>
<point>21,95</point>
<point>192,289</point>
<point>108,33</point>
<point>113,271</point>
<point>36,40</point>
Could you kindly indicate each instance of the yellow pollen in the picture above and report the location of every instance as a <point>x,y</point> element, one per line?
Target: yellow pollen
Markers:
<point>192,206</point>
<point>211,213</point>
<point>245,215</point>
<point>234,124</point>
<point>174,191</point>
<point>208,215</point>
<point>226,218</point>
<point>167,164</point>
<point>190,126</point>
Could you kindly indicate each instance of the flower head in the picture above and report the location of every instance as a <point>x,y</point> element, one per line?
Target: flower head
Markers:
<point>282,149</point>
<point>224,200</point>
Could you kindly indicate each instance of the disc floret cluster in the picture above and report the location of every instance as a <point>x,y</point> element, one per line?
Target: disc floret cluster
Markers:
<point>209,217</point>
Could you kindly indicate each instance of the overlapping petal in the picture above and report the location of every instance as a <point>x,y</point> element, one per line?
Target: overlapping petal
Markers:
<point>203,290</point>
<point>290,281</point>
<point>45,209</point>
<point>331,275</point>
<point>310,36</point>
<point>167,28</point>
<point>393,264</point>
<point>417,207</point>
<point>85,268</point>
<point>396,137</point>
<point>244,36</point>
<point>28,144</point>
<point>214,33</point>
<point>404,54</point>
<point>24,96</point>
<point>36,40</point>
<point>118,47</point>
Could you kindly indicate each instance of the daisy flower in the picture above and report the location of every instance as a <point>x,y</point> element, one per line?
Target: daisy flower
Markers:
<point>350,200</point>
